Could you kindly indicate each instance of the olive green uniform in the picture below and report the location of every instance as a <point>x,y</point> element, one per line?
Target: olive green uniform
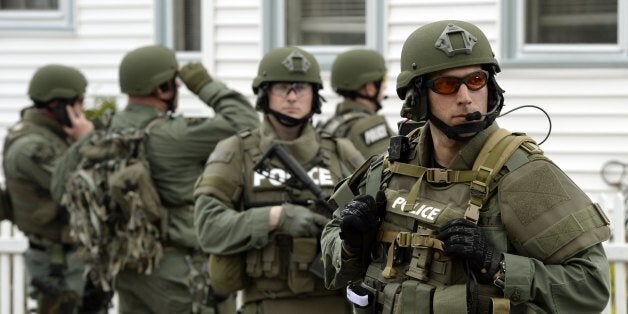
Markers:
<point>368,131</point>
<point>176,150</point>
<point>31,150</point>
<point>549,230</point>
<point>232,217</point>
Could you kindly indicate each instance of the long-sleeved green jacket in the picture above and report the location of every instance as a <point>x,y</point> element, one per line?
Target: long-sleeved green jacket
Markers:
<point>532,199</point>
<point>31,150</point>
<point>177,150</point>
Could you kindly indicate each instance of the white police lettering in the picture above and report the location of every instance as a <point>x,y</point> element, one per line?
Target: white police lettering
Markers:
<point>320,176</point>
<point>276,177</point>
<point>375,134</point>
<point>423,211</point>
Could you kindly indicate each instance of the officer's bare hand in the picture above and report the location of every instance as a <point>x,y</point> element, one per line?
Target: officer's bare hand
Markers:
<point>359,221</point>
<point>195,76</point>
<point>465,240</point>
<point>299,221</point>
<point>80,124</point>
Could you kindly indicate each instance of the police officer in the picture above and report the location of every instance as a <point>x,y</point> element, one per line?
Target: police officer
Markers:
<point>468,217</point>
<point>263,226</point>
<point>177,149</point>
<point>31,149</point>
<point>359,76</point>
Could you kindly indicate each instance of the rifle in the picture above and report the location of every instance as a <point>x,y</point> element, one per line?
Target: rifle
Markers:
<point>298,179</point>
<point>298,176</point>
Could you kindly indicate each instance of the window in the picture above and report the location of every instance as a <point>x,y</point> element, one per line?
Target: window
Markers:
<point>38,15</point>
<point>324,27</point>
<point>179,26</point>
<point>325,22</point>
<point>565,32</point>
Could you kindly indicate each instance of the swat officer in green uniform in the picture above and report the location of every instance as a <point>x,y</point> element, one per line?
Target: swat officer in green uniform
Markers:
<point>31,149</point>
<point>177,149</point>
<point>462,216</point>
<point>262,229</point>
<point>359,76</point>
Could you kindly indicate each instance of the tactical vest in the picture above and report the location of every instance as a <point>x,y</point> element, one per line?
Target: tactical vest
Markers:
<point>30,202</point>
<point>281,268</point>
<point>369,133</point>
<point>409,267</point>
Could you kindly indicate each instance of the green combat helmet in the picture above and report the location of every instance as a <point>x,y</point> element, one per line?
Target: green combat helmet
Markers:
<point>56,82</point>
<point>438,46</point>
<point>145,68</point>
<point>354,68</point>
<point>287,64</point>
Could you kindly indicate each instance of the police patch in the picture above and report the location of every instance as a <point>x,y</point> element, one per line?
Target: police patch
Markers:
<point>375,134</point>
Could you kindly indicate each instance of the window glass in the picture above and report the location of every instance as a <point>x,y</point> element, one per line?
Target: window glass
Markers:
<point>571,22</point>
<point>564,33</point>
<point>36,15</point>
<point>29,5</point>
<point>325,22</point>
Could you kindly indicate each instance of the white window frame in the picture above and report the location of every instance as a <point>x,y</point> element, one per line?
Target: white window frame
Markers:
<point>62,19</point>
<point>275,24</point>
<point>164,33</point>
<point>516,52</point>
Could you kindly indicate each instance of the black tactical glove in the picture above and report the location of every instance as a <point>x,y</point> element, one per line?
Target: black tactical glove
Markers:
<point>195,76</point>
<point>299,221</point>
<point>359,223</point>
<point>463,239</point>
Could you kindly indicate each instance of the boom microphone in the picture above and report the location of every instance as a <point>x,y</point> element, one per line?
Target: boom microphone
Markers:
<point>472,116</point>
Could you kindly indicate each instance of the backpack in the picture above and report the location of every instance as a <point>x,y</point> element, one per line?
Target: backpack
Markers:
<point>114,207</point>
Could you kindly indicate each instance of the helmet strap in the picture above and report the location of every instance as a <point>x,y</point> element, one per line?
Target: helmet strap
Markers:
<point>170,102</point>
<point>454,132</point>
<point>175,93</point>
<point>288,121</point>
<point>374,99</point>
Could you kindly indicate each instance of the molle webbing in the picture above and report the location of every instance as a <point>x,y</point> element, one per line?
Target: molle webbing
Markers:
<point>494,154</point>
<point>432,175</point>
<point>374,178</point>
<point>339,124</point>
<point>425,240</point>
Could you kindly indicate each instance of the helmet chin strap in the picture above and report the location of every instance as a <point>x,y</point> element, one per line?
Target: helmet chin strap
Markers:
<point>454,132</point>
<point>288,121</point>
<point>374,99</point>
<point>170,102</point>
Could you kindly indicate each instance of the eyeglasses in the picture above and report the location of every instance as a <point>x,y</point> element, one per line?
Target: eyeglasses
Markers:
<point>447,85</point>
<point>284,89</point>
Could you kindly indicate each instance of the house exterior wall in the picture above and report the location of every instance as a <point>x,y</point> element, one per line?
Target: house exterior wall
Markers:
<point>587,105</point>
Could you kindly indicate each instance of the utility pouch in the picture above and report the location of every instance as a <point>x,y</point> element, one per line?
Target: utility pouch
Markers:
<point>415,297</point>
<point>450,299</point>
<point>254,263</point>
<point>270,260</point>
<point>362,297</point>
<point>263,265</point>
<point>226,272</point>
<point>300,279</point>
<point>133,187</point>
